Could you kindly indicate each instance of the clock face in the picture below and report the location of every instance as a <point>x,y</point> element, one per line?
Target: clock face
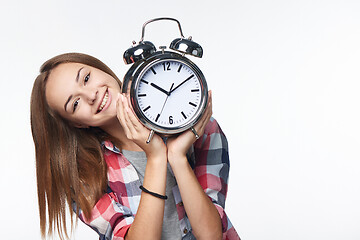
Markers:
<point>169,94</point>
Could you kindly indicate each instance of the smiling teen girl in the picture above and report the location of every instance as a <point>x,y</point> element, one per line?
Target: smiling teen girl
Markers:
<point>92,158</point>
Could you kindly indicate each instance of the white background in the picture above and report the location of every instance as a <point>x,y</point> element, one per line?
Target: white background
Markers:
<point>285,80</point>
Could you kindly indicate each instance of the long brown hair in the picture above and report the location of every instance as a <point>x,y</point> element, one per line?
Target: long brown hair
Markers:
<point>69,162</point>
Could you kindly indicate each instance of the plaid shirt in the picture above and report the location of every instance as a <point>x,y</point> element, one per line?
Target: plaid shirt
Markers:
<point>113,214</point>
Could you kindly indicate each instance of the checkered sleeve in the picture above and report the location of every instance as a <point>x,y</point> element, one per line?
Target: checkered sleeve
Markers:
<point>109,219</point>
<point>211,168</point>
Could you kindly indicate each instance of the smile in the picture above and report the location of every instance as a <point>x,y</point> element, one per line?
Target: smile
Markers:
<point>104,101</point>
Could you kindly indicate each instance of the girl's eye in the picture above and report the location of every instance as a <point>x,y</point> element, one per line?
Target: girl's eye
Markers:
<point>87,77</point>
<point>76,103</point>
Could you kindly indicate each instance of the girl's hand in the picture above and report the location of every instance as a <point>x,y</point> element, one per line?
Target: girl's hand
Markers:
<point>135,130</point>
<point>179,145</point>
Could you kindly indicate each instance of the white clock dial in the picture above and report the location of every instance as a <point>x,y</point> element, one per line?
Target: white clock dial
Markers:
<point>169,93</point>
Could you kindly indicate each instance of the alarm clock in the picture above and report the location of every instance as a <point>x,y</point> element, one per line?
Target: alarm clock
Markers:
<point>168,92</point>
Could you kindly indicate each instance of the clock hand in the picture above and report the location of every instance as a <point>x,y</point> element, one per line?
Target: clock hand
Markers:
<point>164,103</point>
<point>159,88</point>
<point>157,117</point>
<point>181,83</point>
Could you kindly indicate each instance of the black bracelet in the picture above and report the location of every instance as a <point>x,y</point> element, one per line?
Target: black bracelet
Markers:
<point>152,193</point>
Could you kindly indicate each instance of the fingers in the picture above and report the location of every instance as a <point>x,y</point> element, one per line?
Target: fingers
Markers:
<point>200,126</point>
<point>125,116</point>
<point>133,128</point>
<point>131,115</point>
<point>121,114</point>
<point>208,112</point>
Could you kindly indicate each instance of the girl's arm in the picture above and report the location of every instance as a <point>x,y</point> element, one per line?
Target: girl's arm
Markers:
<point>149,217</point>
<point>203,215</point>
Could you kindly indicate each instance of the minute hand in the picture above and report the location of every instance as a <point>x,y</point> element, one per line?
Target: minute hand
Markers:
<point>182,83</point>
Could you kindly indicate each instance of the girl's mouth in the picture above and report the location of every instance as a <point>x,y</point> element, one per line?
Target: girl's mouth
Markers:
<point>104,101</point>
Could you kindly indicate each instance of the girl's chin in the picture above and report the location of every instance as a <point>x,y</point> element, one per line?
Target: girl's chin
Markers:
<point>108,118</point>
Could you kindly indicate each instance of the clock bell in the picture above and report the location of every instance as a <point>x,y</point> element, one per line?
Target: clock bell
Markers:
<point>145,49</point>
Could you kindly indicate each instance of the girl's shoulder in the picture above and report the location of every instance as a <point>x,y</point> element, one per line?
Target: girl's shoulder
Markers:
<point>213,127</point>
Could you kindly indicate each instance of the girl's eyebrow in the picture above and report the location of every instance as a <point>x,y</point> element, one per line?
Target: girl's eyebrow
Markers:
<point>76,80</point>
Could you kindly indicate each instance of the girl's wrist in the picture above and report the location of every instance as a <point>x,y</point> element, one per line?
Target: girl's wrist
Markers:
<point>156,154</point>
<point>155,149</point>
<point>177,159</point>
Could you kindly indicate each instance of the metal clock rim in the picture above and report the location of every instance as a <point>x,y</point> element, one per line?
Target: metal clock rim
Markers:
<point>143,66</point>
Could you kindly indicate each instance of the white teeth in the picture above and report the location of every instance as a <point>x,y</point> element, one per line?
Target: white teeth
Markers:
<point>102,105</point>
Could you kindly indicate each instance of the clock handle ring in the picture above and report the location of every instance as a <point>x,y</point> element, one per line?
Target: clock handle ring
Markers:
<point>151,134</point>
<point>157,19</point>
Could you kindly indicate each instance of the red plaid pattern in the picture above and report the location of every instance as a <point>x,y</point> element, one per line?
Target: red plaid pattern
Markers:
<point>115,211</point>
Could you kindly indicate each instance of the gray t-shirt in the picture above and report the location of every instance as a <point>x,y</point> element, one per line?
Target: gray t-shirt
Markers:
<point>171,226</point>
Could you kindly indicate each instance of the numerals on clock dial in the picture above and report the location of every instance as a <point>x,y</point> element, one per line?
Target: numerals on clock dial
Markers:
<point>169,93</point>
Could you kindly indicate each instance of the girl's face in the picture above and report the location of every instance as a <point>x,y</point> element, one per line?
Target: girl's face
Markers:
<point>84,95</point>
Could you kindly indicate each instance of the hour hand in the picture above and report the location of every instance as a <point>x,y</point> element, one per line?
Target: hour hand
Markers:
<point>159,88</point>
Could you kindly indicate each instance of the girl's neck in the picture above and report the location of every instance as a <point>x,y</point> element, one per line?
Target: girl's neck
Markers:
<point>115,129</point>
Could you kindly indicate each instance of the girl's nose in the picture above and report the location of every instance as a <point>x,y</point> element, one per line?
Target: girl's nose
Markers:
<point>91,95</point>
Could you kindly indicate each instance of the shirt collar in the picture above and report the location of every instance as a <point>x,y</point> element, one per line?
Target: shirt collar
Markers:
<point>110,146</point>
